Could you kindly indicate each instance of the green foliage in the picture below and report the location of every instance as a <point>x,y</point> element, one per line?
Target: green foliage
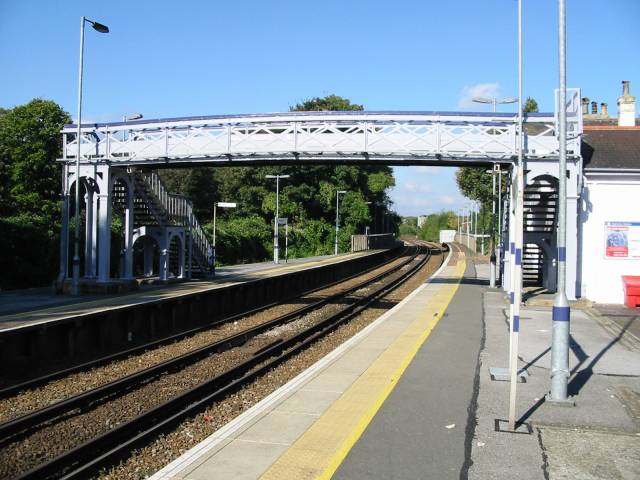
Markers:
<point>409,226</point>
<point>241,239</point>
<point>328,103</point>
<point>29,251</point>
<point>430,230</point>
<point>30,144</point>
<point>530,105</point>
<point>475,183</point>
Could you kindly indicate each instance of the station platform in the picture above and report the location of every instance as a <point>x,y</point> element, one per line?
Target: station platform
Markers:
<point>410,397</point>
<point>23,308</point>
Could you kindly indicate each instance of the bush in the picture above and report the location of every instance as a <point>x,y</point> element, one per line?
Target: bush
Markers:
<point>30,252</point>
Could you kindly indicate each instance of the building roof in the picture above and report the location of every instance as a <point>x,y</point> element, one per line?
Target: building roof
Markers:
<point>611,148</point>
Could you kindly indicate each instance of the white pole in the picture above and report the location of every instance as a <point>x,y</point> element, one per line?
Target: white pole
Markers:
<point>276,253</point>
<point>286,242</point>
<point>337,221</point>
<point>561,310</point>
<point>213,247</point>
<point>75,282</point>
<point>519,241</point>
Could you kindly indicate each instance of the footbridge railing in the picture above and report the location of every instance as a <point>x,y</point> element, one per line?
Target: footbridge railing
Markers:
<point>322,137</point>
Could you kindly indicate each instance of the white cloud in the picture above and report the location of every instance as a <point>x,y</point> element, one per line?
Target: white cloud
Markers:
<point>487,90</point>
<point>412,201</point>
<point>426,170</point>
<point>446,200</point>
<point>411,186</point>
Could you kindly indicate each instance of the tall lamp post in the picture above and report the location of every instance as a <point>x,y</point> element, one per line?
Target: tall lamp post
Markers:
<point>494,101</point>
<point>276,247</point>
<point>561,311</point>
<point>213,246</point>
<point>75,282</point>
<point>338,218</point>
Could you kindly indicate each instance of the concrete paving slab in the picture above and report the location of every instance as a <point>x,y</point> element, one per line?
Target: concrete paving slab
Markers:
<point>225,466</point>
<point>587,455</point>
<point>308,401</point>
<point>279,427</point>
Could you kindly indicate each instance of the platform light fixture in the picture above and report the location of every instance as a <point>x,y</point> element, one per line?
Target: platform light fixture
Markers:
<point>494,101</point>
<point>75,282</point>
<point>276,247</point>
<point>133,116</point>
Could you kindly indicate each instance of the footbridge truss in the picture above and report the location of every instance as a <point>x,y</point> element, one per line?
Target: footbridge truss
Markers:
<point>395,138</point>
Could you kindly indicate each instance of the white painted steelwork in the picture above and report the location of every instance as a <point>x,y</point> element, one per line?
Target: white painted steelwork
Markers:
<point>392,137</point>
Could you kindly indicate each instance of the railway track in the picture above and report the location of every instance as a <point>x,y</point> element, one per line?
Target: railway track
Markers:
<point>88,457</point>
<point>44,379</point>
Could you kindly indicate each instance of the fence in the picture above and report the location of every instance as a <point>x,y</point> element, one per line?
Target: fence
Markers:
<point>372,242</point>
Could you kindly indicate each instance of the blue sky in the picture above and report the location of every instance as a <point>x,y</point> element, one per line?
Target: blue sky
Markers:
<point>168,59</point>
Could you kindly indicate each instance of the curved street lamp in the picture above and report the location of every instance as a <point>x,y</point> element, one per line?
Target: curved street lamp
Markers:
<point>494,101</point>
<point>75,282</point>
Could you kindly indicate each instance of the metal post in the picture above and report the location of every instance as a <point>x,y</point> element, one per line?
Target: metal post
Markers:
<point>337,221</point>
<point>561,310</point>
<point>213,246</point>
<point>286,242</point>
<point>468,225</point>
<point>492,276</point>
<point>517,281</point>
<point>500,239</point>
<point>75,283</point>
<point>276,246</point>
<point>475,230</point>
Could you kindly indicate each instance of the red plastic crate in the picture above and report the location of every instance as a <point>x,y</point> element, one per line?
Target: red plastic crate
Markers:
<point>631,285</point>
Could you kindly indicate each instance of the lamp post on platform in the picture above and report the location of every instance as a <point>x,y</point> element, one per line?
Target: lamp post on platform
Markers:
<point>75,282</point>
<point>338,218</point>
<point>213,246</point>
<point>561,310</point>
<point>276,247</point>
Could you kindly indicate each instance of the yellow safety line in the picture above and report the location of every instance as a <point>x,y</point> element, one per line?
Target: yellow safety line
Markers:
<point>322,448</point>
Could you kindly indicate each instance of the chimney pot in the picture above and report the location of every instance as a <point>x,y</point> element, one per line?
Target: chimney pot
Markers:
<point>626,107</point>
<point>625,88</point>
<point>585,105</point>
<point>603,109</point>
<point>594,108</point>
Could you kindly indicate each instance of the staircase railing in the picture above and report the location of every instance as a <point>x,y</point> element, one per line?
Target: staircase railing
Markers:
<point>180,212</point>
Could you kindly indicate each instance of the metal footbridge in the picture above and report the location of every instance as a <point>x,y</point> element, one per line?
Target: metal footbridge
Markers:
<point>117,163</point>
<point>392,138</point>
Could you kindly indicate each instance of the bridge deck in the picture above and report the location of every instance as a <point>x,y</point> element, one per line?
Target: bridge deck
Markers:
<point>32,307</point>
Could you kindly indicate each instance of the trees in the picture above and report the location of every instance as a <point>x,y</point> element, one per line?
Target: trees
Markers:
<point>430,229</point>
<point>30,144</point>
<point>328,103</point>
<point>307,199</point>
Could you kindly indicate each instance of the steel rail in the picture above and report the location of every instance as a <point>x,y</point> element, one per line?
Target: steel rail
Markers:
<point>36,382</point>
<point>113,444</point>
<point>120,386</point>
